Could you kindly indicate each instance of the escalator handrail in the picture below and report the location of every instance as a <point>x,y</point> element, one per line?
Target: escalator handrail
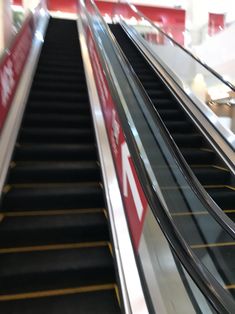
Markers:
<point>211,206</point>
<point>206,66</point>
<point>207,283</point>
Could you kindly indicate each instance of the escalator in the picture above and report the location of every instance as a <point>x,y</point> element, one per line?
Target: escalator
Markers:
<point>55,249</point>
<point>203,160</point>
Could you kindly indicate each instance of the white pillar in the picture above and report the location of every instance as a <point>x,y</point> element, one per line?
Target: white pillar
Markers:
<point>197,16</point>
<point>230,14</point>
<point>6,20</point>
<point>196,19</point>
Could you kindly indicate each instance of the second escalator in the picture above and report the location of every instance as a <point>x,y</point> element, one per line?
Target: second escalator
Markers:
<point>203,160</point>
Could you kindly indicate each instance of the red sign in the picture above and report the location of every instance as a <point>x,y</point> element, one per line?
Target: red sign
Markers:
<point>11,67</point>
<point>131,190</point>
<point>216,23</point>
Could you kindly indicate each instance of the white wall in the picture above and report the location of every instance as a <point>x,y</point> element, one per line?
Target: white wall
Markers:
<point>230,13</point>
<point>220,56</point>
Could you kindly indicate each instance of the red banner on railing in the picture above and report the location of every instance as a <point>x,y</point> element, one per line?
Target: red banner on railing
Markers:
<point>12,66</point>
<point>131,190</point>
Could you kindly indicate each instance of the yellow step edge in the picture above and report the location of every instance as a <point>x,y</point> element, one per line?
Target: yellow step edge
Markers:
<point>105,213</point>
<point>206,149</point>
<point>57,292</point>
<point>117,294</point>
<point>189,213</point>
<point>7,188</point>
<point>52,212</point>
<point>52,161</point>
<point>187,187</point>
<point>227,211</point>
<point>219,186</point>
<point>230,286</point>
<point>209,245</point>
<point>53,247</point>
<point>220,168</point>
<point>209,166</point>
<point>110,248</point>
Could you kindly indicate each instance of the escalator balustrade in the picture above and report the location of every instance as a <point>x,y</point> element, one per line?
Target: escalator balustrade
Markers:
<point>203,160</point>
<point>55,249</point>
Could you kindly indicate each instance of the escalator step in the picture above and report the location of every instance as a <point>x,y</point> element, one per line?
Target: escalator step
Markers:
<point>178,126</point>
<point>56,135</point>
<point>55,172</point>
<point>170,114</point>
<point>57,107</point>
<point>60,197</point>
<point>55,152</point>
<point>55,269</point>
<point>64,96</point>
<point>188,140</point>
<point>61,61</point>
<point>155,93</point>
<point>93,302</point>
<point>62,86</point>
<point>53,229</point>
<point>195,156</point>
<point>56,121</point>
<point>208,175</point>
<point>57,78</point>
<point>147,77</point>
<point>151,84</point>
<point>76,70</point>
<point>224,197</point>
<point>165,103</point>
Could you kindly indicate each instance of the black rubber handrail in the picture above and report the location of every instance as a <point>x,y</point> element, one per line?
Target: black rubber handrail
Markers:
<point>215,73</point>
<point>215,293</point>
